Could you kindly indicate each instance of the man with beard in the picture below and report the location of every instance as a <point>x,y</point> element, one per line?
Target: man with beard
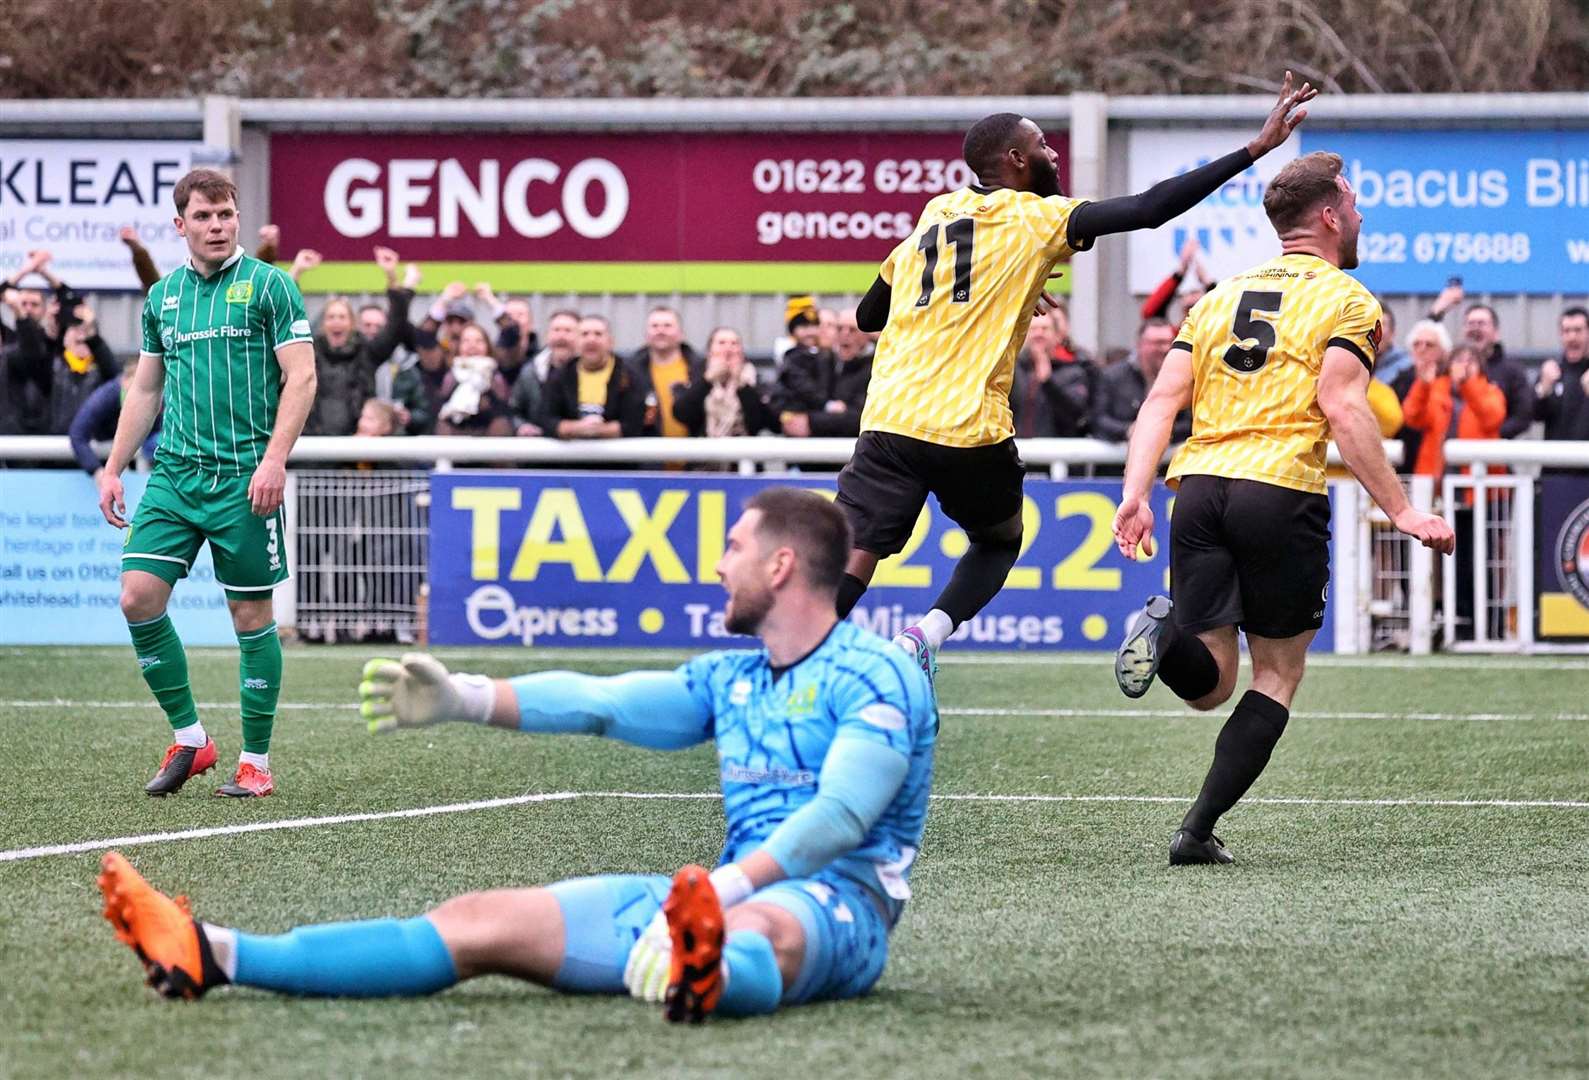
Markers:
<point>1273,363</point>
<point>824,745</point>
<point>953,302</point>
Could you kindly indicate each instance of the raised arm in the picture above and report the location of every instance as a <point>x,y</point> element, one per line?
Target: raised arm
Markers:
<point>1173,197</point>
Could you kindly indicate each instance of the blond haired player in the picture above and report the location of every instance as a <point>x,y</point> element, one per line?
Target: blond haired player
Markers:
<point>1273,363</point>
<point>953,302</point>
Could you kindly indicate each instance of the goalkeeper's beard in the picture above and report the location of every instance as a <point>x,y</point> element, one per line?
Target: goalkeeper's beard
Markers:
<point>747,610</point>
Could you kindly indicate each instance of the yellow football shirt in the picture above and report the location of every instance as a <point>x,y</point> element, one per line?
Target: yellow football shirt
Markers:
<point>964,285</point>
<point>1257,345</point>
<point>663,378</point>
<point>593,389</point>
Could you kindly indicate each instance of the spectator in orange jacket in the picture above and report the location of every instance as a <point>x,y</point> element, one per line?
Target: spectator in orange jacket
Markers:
<point>1450,399</point>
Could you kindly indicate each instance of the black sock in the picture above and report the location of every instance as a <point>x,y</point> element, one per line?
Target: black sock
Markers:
<point>977,578</point>
<point>1187,667</point>
<point>1240,754</point>
<point>850,590</point>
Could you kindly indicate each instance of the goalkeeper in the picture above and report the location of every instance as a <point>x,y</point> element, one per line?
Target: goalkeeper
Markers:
<point>824,743</point>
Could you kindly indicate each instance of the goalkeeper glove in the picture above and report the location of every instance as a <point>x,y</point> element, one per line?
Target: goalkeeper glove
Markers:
<point>418,692</point>
<point>646,972</point>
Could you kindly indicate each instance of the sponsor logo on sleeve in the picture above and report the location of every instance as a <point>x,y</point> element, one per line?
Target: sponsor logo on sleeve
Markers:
<point>301,327</point>
<point>884,716</point>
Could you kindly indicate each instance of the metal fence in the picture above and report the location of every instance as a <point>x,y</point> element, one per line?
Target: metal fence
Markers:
<point>360,548</point>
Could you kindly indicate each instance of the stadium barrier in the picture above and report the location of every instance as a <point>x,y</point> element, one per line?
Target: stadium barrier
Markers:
<point>360,534</point>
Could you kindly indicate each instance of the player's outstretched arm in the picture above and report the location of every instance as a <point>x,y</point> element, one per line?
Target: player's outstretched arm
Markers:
<point>1172,392</point>
<point>1343,395</point>
<point>654,709</point>
<point>1173,197</point>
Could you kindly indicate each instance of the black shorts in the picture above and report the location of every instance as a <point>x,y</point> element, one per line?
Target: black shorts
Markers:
<point>1249,554</point>
<point>886,483</point>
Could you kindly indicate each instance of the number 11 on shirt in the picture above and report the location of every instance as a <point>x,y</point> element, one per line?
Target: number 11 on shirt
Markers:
<point>961,233</point>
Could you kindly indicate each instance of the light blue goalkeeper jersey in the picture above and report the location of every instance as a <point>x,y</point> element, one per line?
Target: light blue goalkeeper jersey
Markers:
<point>774,728</point>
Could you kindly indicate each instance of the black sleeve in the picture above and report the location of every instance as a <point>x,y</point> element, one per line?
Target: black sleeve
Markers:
<point>1519,390</point>
<point>871,315</point>
<point>102,405</point>
<point>689,406</point>
<point>31,360</point>
<point>758,417</point>
<point>104,358</point>
<point>631,406</point>
<point>396,328</point>
<point>827,425</point>
<point>1148,210</point>
<point>1548,408</point>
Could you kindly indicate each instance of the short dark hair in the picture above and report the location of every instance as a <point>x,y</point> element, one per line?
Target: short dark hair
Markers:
<point>599,318</point>
<point>371,307</point>
<point>564,312</point>
<point>1494,318</point>
<point>816,529</point>
<point>988,139</point>
<point>1576,312</point>
<point>1301,187</point>
<point>215,186</point>
<point>1149,324</point>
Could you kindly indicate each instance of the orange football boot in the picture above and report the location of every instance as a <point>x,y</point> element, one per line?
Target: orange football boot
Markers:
<point>169,943</point>
<point>181,764</point>
<point>695,924</point>
<point>251,782</point>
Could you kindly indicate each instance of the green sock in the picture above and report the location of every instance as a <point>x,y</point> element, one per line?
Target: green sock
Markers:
<point>165,669</point>
<point>259,672</point>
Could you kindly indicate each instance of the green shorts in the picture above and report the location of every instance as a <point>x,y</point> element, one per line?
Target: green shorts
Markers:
<point>182,509</point>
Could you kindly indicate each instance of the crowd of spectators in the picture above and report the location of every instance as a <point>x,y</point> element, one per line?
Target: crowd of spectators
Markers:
<point>475,364</point>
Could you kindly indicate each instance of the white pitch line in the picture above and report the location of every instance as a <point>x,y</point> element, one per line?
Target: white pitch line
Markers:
<point>1170,714</point>
<point>1059,714</point>
<point>21,854</point>
<point>553,655</point>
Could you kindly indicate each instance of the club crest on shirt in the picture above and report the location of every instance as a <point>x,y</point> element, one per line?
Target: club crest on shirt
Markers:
<point>240,292</point>
<point>739,693</point>
<point>802,701</point>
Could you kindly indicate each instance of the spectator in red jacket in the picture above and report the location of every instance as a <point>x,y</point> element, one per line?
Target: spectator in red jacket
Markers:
<point>1157,305</point>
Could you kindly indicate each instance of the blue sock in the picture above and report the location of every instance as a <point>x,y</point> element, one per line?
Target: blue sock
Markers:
<point>755,985</point>
<point>378,958</point>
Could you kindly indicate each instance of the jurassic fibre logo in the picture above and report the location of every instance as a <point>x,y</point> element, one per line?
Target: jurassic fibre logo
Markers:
<point>1572,554</point>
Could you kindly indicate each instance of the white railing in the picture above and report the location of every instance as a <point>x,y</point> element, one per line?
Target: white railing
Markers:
<point>1385,584</point>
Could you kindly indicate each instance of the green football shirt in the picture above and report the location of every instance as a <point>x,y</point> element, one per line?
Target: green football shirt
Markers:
<point>217,337</point>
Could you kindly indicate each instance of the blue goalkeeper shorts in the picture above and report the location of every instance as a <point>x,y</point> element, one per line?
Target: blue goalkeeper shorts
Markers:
<point>603,917</point>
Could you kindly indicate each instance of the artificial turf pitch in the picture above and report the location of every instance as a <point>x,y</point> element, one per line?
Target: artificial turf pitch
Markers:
<point>1411,896</point>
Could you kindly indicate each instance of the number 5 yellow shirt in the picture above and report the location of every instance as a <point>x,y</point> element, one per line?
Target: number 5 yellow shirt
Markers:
<point>1257,345</point>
